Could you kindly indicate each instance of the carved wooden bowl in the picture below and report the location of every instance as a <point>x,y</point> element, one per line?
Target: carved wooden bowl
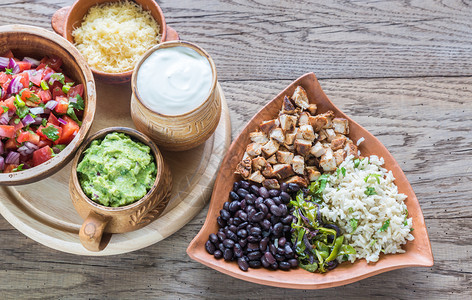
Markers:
<point>177,132</point>
<point>37,42</point>
<point>418,252</point>
<point>99,218</point>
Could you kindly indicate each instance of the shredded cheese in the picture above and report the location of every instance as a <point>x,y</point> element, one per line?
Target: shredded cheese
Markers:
<point>114,35</point>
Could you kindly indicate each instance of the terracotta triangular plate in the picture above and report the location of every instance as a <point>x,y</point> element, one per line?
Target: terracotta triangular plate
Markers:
<point>418,251</point>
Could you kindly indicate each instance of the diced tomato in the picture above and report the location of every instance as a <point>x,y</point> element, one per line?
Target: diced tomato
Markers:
<point>5,85</point>
<point>10,103</point>
<point>4,78</point>
<point>8,54</point>
<point>69,131</point>
<point>24,65</point>
<point>12,144</point>
<point>67,79</point>
<point>41,134</point>
<point>44,142</point>
<point>35,77</point>
<point>25,94</point>
<point>53,120</point>
<point>76,90</point>
<point>55,63</point>
<point>45,95</point>
<point>24,78</point>
<point>62,105</point>
<point>26,136</point>
<point>7,131</point>
<point>57,92</point>
<point>46,71</point>
<point>41,155</point>
<point>18,125</point>
<point>9,168</point>
<point>41,66</point>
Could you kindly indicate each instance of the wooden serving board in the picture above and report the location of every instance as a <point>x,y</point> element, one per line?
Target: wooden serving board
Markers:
<point>44,212</point>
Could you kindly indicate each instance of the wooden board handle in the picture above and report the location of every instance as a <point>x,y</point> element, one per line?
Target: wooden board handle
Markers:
<point>91,232</point>
<point>58,20</point>
<point>172,34</point>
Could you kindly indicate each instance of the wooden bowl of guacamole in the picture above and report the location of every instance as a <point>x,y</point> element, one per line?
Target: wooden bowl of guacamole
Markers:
<point>119,183</point>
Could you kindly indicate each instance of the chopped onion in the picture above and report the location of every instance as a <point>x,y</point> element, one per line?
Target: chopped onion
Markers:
<point>15,86</point>
<point>1,148</point>
<point>10,113</point>
<point>72,99</point>
<point>32,61</point>
<point>13,158</point>
<point>51,104</point>
<point>15,69</point>
<point>2,163</point>
<point>38,121</point>
<point>27,120</point>
<point>37,110</point>
<point>4,61</point>
<point>47,76</point>
<point>4,118</point>
<point>62,121</point>
<point>31,146</point>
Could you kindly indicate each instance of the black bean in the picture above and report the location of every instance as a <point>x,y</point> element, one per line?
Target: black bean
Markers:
<point>270,258</point>
<point>218,254</point>
<point>293,187</point>
<point>233,228</point>
<point>252,247</point>
<point>238,251</point>
<point>274,266</point>
<point>264,192</point>
<point>254,238</point>
<point>213,238</point>
<point>249,208</point>
<point>282,241</point>
<point>283,186</point>
<point>255,264</point>
<point>233,196</point>
<point>272,249</point>
<point>293,262</point>
<point>221,221</point>
<point>274,193</point>
<point>278,229</point>
<point>230,221</point>
<point>242,225</point>
<point>237,221</point>
<point>248,227</point>
<point>245,184</point>
<point>231,235</point>
<point>258,217</point>
<point>226,205</point>
<point>255,231</point>
<point>221,236</point>
<point>265,224</point>
<point>243,242</point>
<point>242,233</point>
<point>283,265</point>
<point>221,247</point>
<point>269,202</point>
<point>266,233</point>
<point>277,200</point>
<point>243,204</point>
<point>263,244</point>
<point>225,214</point>
<point>228,243</point>
<point>255,255</point>
<point>284,209</point>
<point>251,214</point>
<point>288,250</point>
<point>243,216</point>
<point>287,220</point>
<point>242,192</point>
<point>264,262</point>
<point>228,254</point>
<point>281,251</point>
<point>234,206</point>
<point>279,257</point>
<point>254,189</point>
<point>210,247</point>
<point>262,207</point>
<point>250,199</point>
<point>285,197</point>
<point>243,264</point>
<point>258,201</point>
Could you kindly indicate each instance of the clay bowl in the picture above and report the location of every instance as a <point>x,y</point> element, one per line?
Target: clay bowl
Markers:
<point>100,219</point>
<point>418,252</point>
<point>66,19</point>
<point>37,42</point>
<point>177,132</point>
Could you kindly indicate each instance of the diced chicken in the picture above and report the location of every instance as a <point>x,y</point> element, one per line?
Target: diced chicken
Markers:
<point>258,137</point>
<point>272,160</point>
<point>258,163</point>
<point>246,156</point>
<point>300,98</point>
<point>278,135</point>
<point>322,135</point>
<point>244,168</point>
<point>299,134</point>
<point>351,149</point>
<point>302,182</point>
<point>339,156</point>
<point>270,147</point>
<point>302,146</point>
<point>290,148</point>
<point>267,126</point>
<point>317,150</point>
<point>290,137</point>
<point>304,119</point>
<point>318,122</point>
<point>256,177</point>
<point>282,171</point>
<point>254,149</point>
<point>341,125</point>
<point>271,184</point>
<point>331,135</point>
<point>287,122</point>
<point>329,115</point>
<point>288,107</point>
<point>313,173</point>
<point>312,161</point>
<point>307,132</point>
<point>268,171</point>
<point>312,109</point>
<point>284,157</point>
<point>298,164</point>
<point>338,143</point>
<point>328,161</point>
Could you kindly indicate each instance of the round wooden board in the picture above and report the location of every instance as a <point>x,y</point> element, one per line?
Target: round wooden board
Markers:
<point>44,212</point>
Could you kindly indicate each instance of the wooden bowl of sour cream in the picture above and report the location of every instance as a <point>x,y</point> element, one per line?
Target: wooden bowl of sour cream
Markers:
<point>175,99</point>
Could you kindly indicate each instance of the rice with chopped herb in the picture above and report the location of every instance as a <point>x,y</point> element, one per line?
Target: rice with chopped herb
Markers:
<point>363,200</point>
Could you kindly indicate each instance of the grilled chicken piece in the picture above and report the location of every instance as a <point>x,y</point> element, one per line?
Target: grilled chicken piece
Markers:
<point>287,107</point>
<point>270,147</point>
<point>272,160</point>
<point>254,149</point>
<point>341,125</point>
<point>312,109</point>
<point>258,137</point>
<point>318,122</point>
<point>329,115</point>
<point>317,150</point>
<point>307,132</point>
<point>278,135</point>
<point>339,156</point>
<point>351,149</point>
<point>268,171</point>
<point>256,177</point>
<point>271,184</point>
<point>331,135</point>
<point>282,171</point>
<point>290,137</point>
<point>338,143</point>
<point>302,146</point>
<point>304,119</point>
<point>267,126</point>
<point>302,182</point>
<point>313,173</point>
<point>328,161</point>
<point>258,163</point>
<point>284,157</point>
<point>244,168</point>
<point>298,164</point>
<point>288,122</point>
<point>322,135</point>
<point>300,98</point>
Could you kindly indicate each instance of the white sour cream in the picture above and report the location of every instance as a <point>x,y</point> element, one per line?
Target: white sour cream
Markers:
<point>174,81</point>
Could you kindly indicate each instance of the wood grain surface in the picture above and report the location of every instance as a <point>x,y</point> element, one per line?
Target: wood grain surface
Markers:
<point>401,69</point>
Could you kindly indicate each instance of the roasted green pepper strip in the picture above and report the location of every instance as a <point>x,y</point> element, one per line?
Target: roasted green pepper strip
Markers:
<point>337,245</point>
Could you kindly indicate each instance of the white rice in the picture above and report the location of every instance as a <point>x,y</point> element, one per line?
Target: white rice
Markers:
<point>345,199</point>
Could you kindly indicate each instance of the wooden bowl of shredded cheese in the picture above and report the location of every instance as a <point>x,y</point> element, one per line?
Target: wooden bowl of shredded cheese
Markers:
<point>112,35</point>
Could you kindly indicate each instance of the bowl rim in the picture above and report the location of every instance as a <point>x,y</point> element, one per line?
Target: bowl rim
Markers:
<point>80,3</point>
<point>66,155</point>
<point>133,134</point>
<point>172,44</point>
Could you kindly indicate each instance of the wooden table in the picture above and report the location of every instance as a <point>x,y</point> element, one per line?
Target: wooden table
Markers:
<point>402,69</point>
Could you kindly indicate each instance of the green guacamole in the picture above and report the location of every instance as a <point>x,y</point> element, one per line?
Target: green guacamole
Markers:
<point>116,171</point>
